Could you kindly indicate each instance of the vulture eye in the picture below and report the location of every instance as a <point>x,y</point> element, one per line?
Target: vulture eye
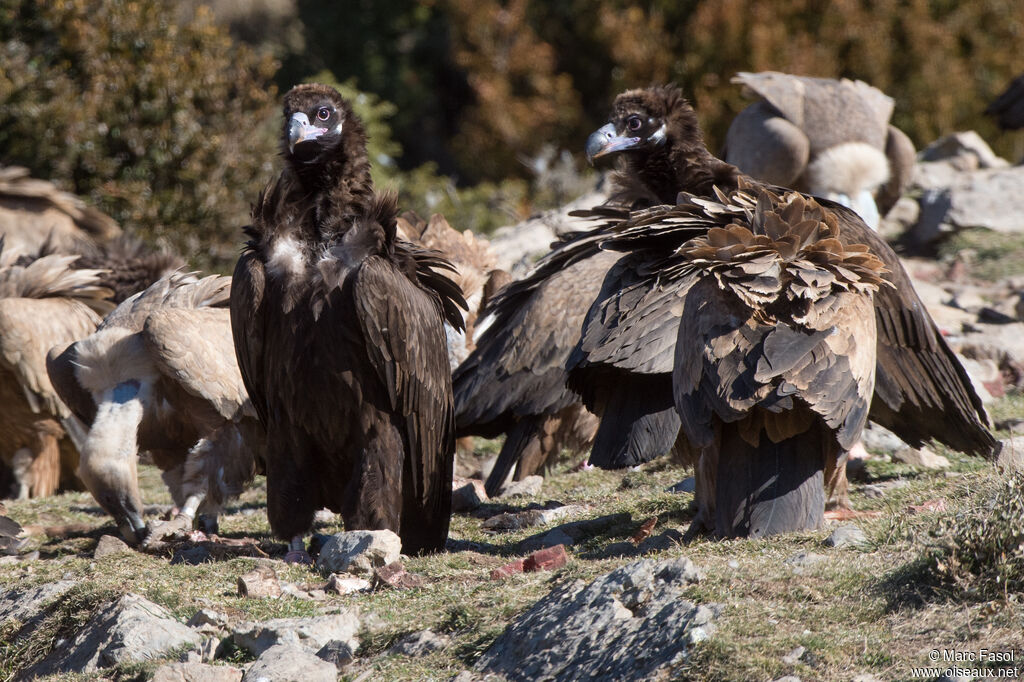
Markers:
<point>323,113</point>
<point>634,123</point>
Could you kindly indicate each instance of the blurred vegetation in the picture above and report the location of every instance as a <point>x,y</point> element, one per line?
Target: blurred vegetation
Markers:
<point>163,113</point>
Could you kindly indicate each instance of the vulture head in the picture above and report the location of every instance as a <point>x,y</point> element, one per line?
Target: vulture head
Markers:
<point>320,128</point>
<point>656,137</point>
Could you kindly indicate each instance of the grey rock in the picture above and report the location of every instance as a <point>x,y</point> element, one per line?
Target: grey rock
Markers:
<point>847,536</point>
<point>196,672</point>
<point>110,546</point>
<point>527,487</point>
<point>1011,456</point>
<point>880,439</point>
<point>793,656</point>
<point>921,457</point>
<point>338,654</point>
<point>24,604</point>
<point>866,677</point>
<point>991,198</point>
<point>630,624</point>
<point>806,559</point>
<point>290,663</point>
<point>687,485</point>
<point>210,621</point>
<point>308,633</point>
<point>556,537</point>
<point>575,530</point>
<point>418,644</point>
<point>359,551</point>
<point>963,144</point>
<point>984,372</point>
<point>343,583</point>
<point>873,491</point>
<point>259,583</point>
<point>128,629</point>
<point>788,678</point>
<point>662,541</point>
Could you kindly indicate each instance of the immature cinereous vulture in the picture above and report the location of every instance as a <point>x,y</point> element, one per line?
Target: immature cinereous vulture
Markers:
<point>830,138</point>
<point>160,375</point>
<point>34,211</point>
<point>43,303</point>
<point>644,323</point>
<point>338,327</point>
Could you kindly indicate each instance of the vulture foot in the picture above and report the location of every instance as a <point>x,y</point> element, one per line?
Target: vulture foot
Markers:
<point>297,553</point>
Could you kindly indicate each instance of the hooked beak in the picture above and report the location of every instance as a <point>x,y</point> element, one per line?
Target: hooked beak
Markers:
<point>604,141</point>
<point>301,130</point>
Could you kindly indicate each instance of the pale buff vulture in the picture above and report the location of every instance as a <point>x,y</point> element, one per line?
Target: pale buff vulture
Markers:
<point>160,375</point>
<point>43,303</point>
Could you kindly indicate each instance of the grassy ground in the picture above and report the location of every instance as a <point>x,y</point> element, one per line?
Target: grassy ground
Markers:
<point>857,611</point>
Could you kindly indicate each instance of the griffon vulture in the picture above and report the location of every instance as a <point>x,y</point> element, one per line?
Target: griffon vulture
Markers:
<point>34,211</point>
<point>830,138</point>
<point>339,330</point>
<point>160,375</point>
<point>643,321</point>
<point>45,302</point>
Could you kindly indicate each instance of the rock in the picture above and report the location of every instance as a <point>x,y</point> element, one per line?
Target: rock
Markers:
<point>787,678</point>
<point>880,439</point>
<point>468,496</point>
<point>873,492</point>
<point>310,634</point>
<point>866,677</point>
<point>546,559</point>
<point>395,576</point>
<point>531,518</point>
<point>528,487</point>
<point>127,630</point>
<point>963,144</point>
<point>290,663</point>
<point>210,621</point>
<point>556,536</point>
<point>793,656</point>
<point>806,559</point>
<point>687,485</point>
<point>259,583</point>
<point>338,654</point>
<point>341,583</point>
<point>629,624</point>
<point>901,217</point>
<point>992,198</point>
<point>110,546</point>
<point>419,644</point>
<point>25,604</point>
<point>196,672</point>
<point>847,536</point>
<point>576,530</point>
<point>657,543</point>
<point>359,551</point>
<point>508,569</point>
<point>985,377</point>
<point>921,457</point>
<point>1011,455</point>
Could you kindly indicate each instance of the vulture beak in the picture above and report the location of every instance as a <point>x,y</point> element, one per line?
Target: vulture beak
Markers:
<point>604,141</point>
<point>301,130</point>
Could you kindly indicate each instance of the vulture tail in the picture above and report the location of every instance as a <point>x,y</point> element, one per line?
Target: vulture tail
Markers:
<point>638,421</point>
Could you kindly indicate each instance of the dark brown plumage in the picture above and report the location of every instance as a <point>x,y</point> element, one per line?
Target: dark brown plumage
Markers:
<point>1008,107</point>
<point>339,336</point>
<point>922,392</point>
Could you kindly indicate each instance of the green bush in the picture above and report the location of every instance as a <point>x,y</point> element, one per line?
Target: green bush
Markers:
<point>981,551</point>
<point>164,123</point>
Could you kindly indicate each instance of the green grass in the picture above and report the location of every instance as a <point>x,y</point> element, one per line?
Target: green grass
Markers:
<point>859,611</point>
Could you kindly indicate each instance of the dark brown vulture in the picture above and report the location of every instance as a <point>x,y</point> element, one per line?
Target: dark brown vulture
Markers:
<point>43,303</point>
<point>338,327</point>
<point>33,212</point>
<point>1008,107</point>
<point>159,375</point>
<point>827,137</point>
<point>647,321</point>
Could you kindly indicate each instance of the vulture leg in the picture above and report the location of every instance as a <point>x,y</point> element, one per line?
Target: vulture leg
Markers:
<point>770,488</point>
<point>21,471</point>
<point>522,442</point>
<point>297,553</point>
<point>836,484</point>
<point>108,465</point>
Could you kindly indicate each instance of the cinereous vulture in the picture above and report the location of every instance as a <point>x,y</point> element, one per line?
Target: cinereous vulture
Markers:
<point>339,331</point>
<point>827,137</point>
<point>734,359</point>
<point>44,302</point>
<point>159,375</point>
